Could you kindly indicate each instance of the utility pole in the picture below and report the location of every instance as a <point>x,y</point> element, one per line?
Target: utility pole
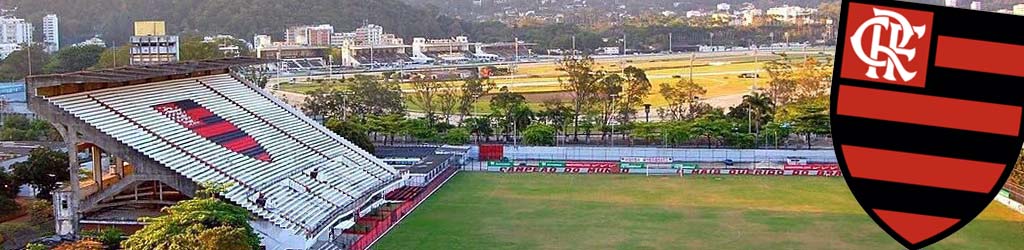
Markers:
<point>712,34</point>
<point>670,43</point>
<point>574,46</point>
<point>692,56</point>
<point>623,43</point>
<point>30,58</point>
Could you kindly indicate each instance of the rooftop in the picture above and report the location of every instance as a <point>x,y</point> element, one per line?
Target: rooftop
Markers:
<point>143,73</point>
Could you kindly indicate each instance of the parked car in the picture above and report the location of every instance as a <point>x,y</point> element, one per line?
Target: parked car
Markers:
<point>749,75</point>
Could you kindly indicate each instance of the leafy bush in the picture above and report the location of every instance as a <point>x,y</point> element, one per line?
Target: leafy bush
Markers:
<point>41,211</point>
<point>35,246</point>
<point>539,134</point>
<point>456,136</point>
<point>111,237</point>
<point>7,206</point>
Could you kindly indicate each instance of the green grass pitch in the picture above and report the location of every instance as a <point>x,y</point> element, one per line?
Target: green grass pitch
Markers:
<point>534,211</point>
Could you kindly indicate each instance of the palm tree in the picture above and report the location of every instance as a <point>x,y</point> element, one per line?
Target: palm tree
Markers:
<point>760,109</point>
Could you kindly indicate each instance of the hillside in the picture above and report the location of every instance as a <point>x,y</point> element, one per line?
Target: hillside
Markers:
<point>112,19</point>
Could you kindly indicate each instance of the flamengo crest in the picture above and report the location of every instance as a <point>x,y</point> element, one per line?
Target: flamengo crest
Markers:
<point>900,32</point>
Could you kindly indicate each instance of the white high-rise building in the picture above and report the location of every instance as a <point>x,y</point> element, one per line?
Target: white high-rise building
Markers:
<point>976,5</point>
<point>951,3</point>
<point>261,41</point>
<point>1018,9</point>
<point>51,33</point>
<point>15,30</point>
<point>723,7</point>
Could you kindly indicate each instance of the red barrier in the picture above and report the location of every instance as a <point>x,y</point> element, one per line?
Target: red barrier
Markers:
<point>491,152</point>
<point>384,225</point>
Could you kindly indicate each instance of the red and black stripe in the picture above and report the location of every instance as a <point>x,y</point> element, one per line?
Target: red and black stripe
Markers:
<point>214,128</point>
<point>924,161</point>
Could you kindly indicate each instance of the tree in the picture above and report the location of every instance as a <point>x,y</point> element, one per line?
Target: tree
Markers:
<point>16,65</point>
<point>649,132</point>
<point>608,90</point>
<point>391,125</point>
<point>711,127</point>
<point>114,57</point>
<point>807,79</point>
<point>456,136</point>
<point>756,107</point>
<point>683,99</point>
<point>74,58</point>
<point>352,132</point>
<point>325,103</point>
<point>472,90</point>
<point>368,96</point>
<point>9,185</point>
<point>809,117</point>
<point>636,88</point>
<point>511,110</point>
<point>193,48</point>
<point>557,114</point>
<point>424,95</point>
<point>254,75</point>
<point>539,134</point>
<point>581,82</point>
<point>44,170</point>
<point>420,129</point>
<point>449,97</point>
<point>479,126</point>
<point>203,222</point>
<point>678,133</point>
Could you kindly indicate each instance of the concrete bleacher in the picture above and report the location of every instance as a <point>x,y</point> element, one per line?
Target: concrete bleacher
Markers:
<point>313,173</point>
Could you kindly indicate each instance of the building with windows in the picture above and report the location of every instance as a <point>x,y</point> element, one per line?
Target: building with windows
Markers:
<point>952,3</point>
<point>976,5</point>
<point>15,30</point>
<point>319,35</point>
<point>51,33</point>
<point>7,48</point>
<point>370,46</point>
<point>95,40</point>
<point>1018,9</point>
<point>152,45</point>
<point>723,7</point>
<point>791,14</point>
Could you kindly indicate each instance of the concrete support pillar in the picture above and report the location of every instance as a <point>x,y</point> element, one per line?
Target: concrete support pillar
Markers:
<point>97,167</point>
<point>118,167</point>
<point>66,204</point>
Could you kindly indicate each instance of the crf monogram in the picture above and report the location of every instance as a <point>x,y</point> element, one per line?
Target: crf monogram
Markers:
<point>900,33</point>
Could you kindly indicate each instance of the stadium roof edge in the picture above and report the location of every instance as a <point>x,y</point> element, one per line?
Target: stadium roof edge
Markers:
<point>143,73</point>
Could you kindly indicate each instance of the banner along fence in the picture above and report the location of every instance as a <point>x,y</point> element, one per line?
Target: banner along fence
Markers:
<point>1012,195</point>
<point>381,227</point>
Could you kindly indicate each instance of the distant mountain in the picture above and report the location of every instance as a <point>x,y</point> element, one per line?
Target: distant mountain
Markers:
<point>112,19</point>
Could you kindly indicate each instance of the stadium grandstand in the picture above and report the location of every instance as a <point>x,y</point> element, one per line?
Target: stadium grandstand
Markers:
<point>505,51</point>
<point>376,56</point>
<point>299,65</point>
<point>293,58</point>
<point>156,133</point>
<point>447,51</point>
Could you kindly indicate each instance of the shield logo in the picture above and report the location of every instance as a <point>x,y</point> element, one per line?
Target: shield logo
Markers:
<point>212,127</point>
<point>926,113</point>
